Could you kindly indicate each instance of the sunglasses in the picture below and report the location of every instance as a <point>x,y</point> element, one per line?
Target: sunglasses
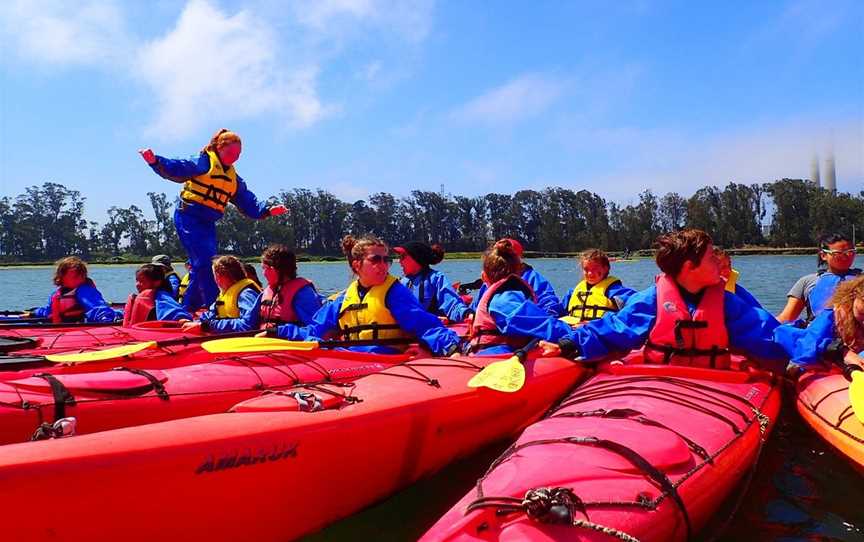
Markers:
<point>846,252</point>
<point>376,259</point>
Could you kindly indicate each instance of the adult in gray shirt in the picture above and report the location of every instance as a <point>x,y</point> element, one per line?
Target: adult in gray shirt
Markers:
<point>797,299</point>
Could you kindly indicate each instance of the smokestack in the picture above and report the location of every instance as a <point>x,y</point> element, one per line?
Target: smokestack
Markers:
<point>814,171</point>
<point>830,173</point>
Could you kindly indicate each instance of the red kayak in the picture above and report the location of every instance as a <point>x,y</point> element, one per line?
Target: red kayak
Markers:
<point>39,340</point>
<point>638,452</point>
<point>823,402</point>
<point>125,396</point>
<point>266,471</point>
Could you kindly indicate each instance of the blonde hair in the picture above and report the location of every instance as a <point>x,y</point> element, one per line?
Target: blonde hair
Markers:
<point>355,249</point>
<point>221,138</point>
<point>229,266</point>
<point>849,330</point>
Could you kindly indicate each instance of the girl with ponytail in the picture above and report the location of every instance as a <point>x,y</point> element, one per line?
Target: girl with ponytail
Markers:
<point>374,306</point>
<point>508,316</point>
<point>210,183</point>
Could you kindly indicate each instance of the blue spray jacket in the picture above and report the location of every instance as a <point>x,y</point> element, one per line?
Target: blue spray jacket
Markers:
<point>436,294</point>
<point>750,329</point>
<point>167,308</point>
<point>404,307</point>
<point>516,315</point>
<point>807,346</point>
<point>96,309</point>
<point>546,298</point>
<point>178,170</point>
<point>747,297</point>
<point>247,302</point>
<point>174,281</point>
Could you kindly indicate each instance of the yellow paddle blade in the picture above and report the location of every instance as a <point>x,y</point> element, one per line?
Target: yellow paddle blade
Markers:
<point>255,344</point>
<point>101,355</point>
<point>856,394</point>
<point>507,376</point>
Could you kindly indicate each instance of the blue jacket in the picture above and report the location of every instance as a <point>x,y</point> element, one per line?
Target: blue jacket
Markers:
<point>248,302</point>
<point>747,297</point>
<point>516,315</point>
<point>167,307</point>
<point>616,292</point>
<point>96,309</point>
<point>436,294</point>
<point>546,298</point>
<point>405,308</point>
<point>174,281</point>
<point>750,329</point>
<point>178,170</point>
<point>806,346</point>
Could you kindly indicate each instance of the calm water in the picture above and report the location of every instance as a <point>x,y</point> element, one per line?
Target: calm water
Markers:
<point>802,491</point>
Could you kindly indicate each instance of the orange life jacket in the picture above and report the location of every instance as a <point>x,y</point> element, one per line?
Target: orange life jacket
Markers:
<point>484,331</point>
<point>278,308</point>
<point>65,306</point>
<point>679,338</point>
<point>140,308</point>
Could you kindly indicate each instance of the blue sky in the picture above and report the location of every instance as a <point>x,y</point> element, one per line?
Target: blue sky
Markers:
<point>360,96</point>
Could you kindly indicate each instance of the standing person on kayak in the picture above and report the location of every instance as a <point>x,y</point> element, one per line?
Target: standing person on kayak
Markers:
<point>546,298</point>
<point>76,298</point>
<point>288,299</point>
<point>508,315</point>
<point>170,275</point>
<point>431,287</point>
<point>375,306</point>
<point>836,334</point>
<point>154,300</point>
<point>210,183</point>
<point>730,278</point>
<point>686,318</point>
<point>236,308</point>
<point>812,292</point>
<point>597,293</point>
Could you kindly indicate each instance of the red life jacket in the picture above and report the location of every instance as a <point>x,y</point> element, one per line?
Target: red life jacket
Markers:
<point>140,308</point>
<point>484,332</point>
<point>677,338</point>
<point>65,307</point>
<point>278,308</point>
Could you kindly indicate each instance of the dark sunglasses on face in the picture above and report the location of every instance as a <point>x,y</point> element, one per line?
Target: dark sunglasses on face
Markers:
<point>377,258</point>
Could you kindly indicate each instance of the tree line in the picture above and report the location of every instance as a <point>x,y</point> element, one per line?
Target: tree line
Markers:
<point>46,222</point>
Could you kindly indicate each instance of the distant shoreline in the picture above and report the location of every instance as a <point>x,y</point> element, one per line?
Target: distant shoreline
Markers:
<point>639,254</point>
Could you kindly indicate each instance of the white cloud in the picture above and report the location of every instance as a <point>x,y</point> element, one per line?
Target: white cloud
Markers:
<point>88,32</point>
<point>666,161</point>
<point>410,19</point>
<point>519,99</point>
<point>212,66</point>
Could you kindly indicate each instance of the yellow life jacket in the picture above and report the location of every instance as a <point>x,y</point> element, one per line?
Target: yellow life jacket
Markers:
<point>227,304</point>
<point>732,281</point>
<point>590,302</point>
<point>214,188</point>
<point>184,285</point>
<point>368,317</point>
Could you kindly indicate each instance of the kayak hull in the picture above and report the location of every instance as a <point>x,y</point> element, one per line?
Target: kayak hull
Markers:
<point>121,397</point>
<point>650,452</point>
<point>823,403</point>
<point>262,473</point>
